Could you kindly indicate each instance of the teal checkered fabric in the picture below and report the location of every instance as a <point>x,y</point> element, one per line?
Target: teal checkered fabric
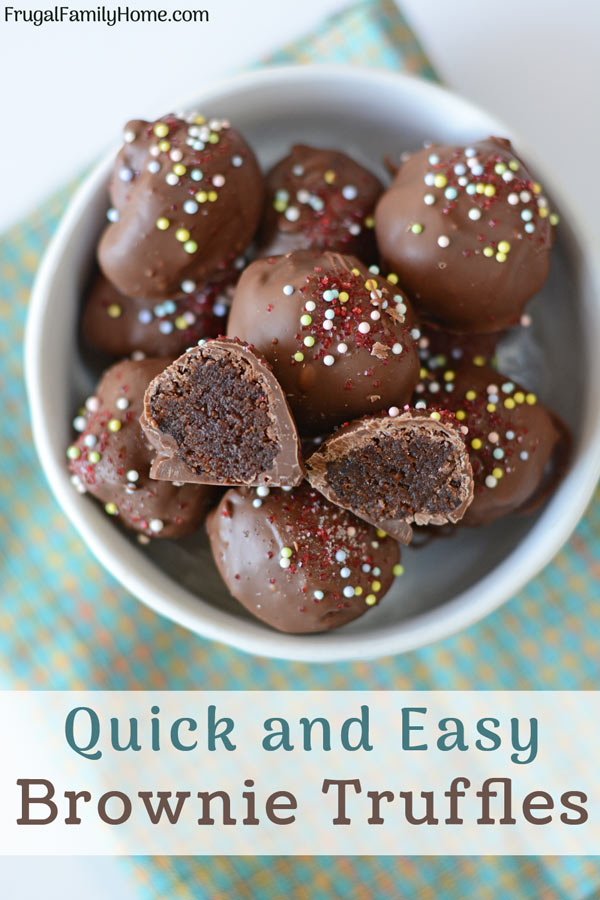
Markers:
<point>65,623</point>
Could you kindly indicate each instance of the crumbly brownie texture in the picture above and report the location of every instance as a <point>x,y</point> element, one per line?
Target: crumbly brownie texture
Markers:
<point>218,416</point>
<point>396,470</point>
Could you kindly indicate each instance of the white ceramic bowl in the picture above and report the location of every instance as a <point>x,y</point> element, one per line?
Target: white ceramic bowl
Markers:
<point>448,584</point>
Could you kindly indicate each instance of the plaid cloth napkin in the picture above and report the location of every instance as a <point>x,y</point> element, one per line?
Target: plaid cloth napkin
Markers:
<point>64,622</point>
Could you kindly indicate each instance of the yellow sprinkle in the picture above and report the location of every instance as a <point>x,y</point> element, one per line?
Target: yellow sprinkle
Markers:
<point>470,395</point>
<point>440,181</point>
<point>329,176</point>
<point>480,188</point>
<point>111,509</point>
<point>114,425</point>
<point>280,205</point>
<point>398,570</point>
<point>375,586</point>
<point>164,146</point>
<point>536,188</point>
<point>554,218</point>
<point>487,251</point>
<point>461,414</point>
<point>509,403</point>
<point>423,373</point>
<point>369,222</point>
<point>435,415</point>
<point>497,473</point>
<point>504,247</point>
<point>416,228</point>
<point>449,375</point>
<point>298,356</point>
<point>371,284</point>
<point>370,599</point>
<point>513,165</point>
<point>381,533</point>
<point>201,196</point>
<point>476,444</point>
<point>199,120</point>
<point>181,323</point>
<point>179,169</point>
<point>501,257</point>
<point>355,272</point>
<point>479,360</point>
<point>543,212</point>
<point>309,341</point>
<point>531,399</point>
<point>520,397</point>
<point>214,138</point>
<point>114,310</point>
<point>162,224</point>
<point>392,278</point>
<point>94,456</point>
<point>491,407</point>
<point>358,591</point>
<point>489,190</point>
<point>212,196</point>
<point>182,234</point>
<point>161,129</point>
<point>344,297</point>
<point>190,246</point>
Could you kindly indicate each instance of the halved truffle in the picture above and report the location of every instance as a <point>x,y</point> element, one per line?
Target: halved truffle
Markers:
<point>217,415</point>
<point>395,470</point>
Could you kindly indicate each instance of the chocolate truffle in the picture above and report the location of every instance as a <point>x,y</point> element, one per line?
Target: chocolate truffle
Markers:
<point>338,336</point>
<point>111,458</point>
<point>297,561</point>
<point>510,436</point>
<point>217,415</point>
<point>468,232</point>
<point>186,196</point>
<point>119,326</point>
<point>396,469</point>
<point>320,199</point>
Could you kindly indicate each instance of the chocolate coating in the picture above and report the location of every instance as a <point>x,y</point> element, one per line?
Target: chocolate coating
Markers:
<point>392,471</point>
<point>338,337</point>
<point>187,198</point>
<point>119,326</point>
<point>445,348</point>
<point>111,458</point>
<point>467,231</point>
<point>322,200</point>
<point>217,415</point>
<point>292,558</point>
<point>511,437</point>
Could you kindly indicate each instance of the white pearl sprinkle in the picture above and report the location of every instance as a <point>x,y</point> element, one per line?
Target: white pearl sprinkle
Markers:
<point>349,192</point>
<point>364,328</point>
<point>129,136</point>
<point>318,595</point>
<point>328,360</point>
<point>122,403</point>
<point>292,213</point>
<point>172,179</point>
<point>153,166</point>
<point>132,475</point>
<point>218,180</point>
<point>393,411</point>
<point>329,313</point>
<point>340,555</point>
<point>429,199</point>
<point>342,348</point>
<point>190,207</point>
<point>237,161</point>
<point>90,440</point>
<point>176,155</point>
<point>474,214</point>
<point>263,491</point>
<point>79,423</point>
<point>328,325</point>
<point>397,349</point>
<point>443,240</point>
<point>348,591</point>
<point>188,287</point>
<point>345,572</point>
<point>491,481</point>
<point>125,174</point>
<point>284,563</point>
<point>257,503</point>
<point>288,290</point>
<point>513,199</point>
<point>156,525</point>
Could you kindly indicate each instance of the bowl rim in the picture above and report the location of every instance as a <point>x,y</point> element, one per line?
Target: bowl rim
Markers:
<point>559,517</point>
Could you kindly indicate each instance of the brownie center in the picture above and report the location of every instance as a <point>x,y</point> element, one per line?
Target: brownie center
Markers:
<point>218,413</point>
<point>396,477</point>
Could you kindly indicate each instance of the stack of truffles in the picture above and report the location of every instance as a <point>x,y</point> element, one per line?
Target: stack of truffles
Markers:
<point>306,360</point>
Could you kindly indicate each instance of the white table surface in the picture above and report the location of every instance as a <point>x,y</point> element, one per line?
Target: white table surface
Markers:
<point>73,87</point>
